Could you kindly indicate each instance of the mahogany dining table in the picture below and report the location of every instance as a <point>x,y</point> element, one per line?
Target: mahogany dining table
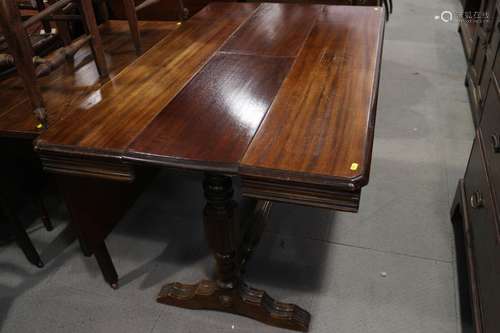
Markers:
<point>281,96</point>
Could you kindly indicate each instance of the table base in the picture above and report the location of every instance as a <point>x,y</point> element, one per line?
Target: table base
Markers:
<point>242,300</point>
<point>232,250</point>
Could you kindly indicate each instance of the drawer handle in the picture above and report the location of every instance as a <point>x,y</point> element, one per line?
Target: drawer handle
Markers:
<point>476,200</point>
<point>495,142</point>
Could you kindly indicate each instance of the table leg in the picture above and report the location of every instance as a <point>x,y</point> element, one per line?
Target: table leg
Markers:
<point>21,237</point>
<point>253,230</point>
<point>84,247</point>
<point>44,213</point>
<point>229,293</point>
<point>95,206</point>
<point>105,263</point>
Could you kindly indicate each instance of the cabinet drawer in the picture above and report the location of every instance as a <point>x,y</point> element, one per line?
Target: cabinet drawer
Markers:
<point>485,80</point>
<point>496,66</point>
<point>495,32</point>
<point>490,131</point>
<point>481,217</point>
<point>491,306</point>
<point>479,58</point>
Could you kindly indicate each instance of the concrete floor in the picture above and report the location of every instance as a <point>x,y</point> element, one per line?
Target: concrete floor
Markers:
<point>333,264</point>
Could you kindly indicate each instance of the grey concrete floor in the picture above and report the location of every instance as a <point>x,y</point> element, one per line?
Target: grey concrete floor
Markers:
<point>332,264</point>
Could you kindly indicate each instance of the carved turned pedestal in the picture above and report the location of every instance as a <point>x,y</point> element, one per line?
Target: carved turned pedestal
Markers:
<point>228,292</point>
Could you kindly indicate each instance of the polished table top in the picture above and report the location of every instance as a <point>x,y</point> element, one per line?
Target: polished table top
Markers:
<point>283,95</point>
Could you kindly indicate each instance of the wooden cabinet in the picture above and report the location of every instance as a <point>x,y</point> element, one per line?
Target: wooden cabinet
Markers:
<point>482,225</point>
<point>476,210</point>
<point>475,217</point>
<point>480,37</point>
<point>490,132</point>
<point>467,29</point>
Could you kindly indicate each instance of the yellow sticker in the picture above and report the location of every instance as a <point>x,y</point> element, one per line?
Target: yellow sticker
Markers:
<point>354,166</point>
<point>179,23</point>
<point>39,126</point>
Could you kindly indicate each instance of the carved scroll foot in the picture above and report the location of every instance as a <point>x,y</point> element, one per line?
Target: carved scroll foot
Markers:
<point>242,300</point>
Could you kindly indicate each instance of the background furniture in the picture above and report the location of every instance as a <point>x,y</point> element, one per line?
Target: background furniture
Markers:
<point>169,9</point>
<point>41,37</point>
<point>15,34</point>
<point>130,9</point>
<point>476,209</point>
<point>475,218</point>
<point>68,89</point>
<point>481,38</point>
<point>14,31</point>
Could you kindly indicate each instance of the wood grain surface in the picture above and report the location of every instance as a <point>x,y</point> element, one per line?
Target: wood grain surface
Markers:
<point>320,126</point>
<point>211,122</point>
<point>274,30</point>
<point>131,100</point>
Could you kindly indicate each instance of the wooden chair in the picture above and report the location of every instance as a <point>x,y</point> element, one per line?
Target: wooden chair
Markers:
<point>39,6</point>
<point>20,48</point>
<point>131,10</point>
<point>41,43</point>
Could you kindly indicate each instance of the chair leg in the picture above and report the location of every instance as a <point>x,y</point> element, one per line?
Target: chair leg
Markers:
<point>63,30</point>
<point>131,13</point>
<point>102,11</point>
<point>19,45</point>
<point>46,24</point>
<point>184,11</point>
<point>96,43</point>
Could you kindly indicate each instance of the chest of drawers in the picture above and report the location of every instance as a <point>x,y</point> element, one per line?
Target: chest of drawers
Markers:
<point>481,38</point>
<point>475,214</point>
<point>476,209</point>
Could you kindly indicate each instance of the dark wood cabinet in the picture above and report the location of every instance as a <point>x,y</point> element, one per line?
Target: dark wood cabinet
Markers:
<point>480,38</point>
<point>476,212</point>
<point>476,209</point>
<point>475,218</point>
<point>481,214</point>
